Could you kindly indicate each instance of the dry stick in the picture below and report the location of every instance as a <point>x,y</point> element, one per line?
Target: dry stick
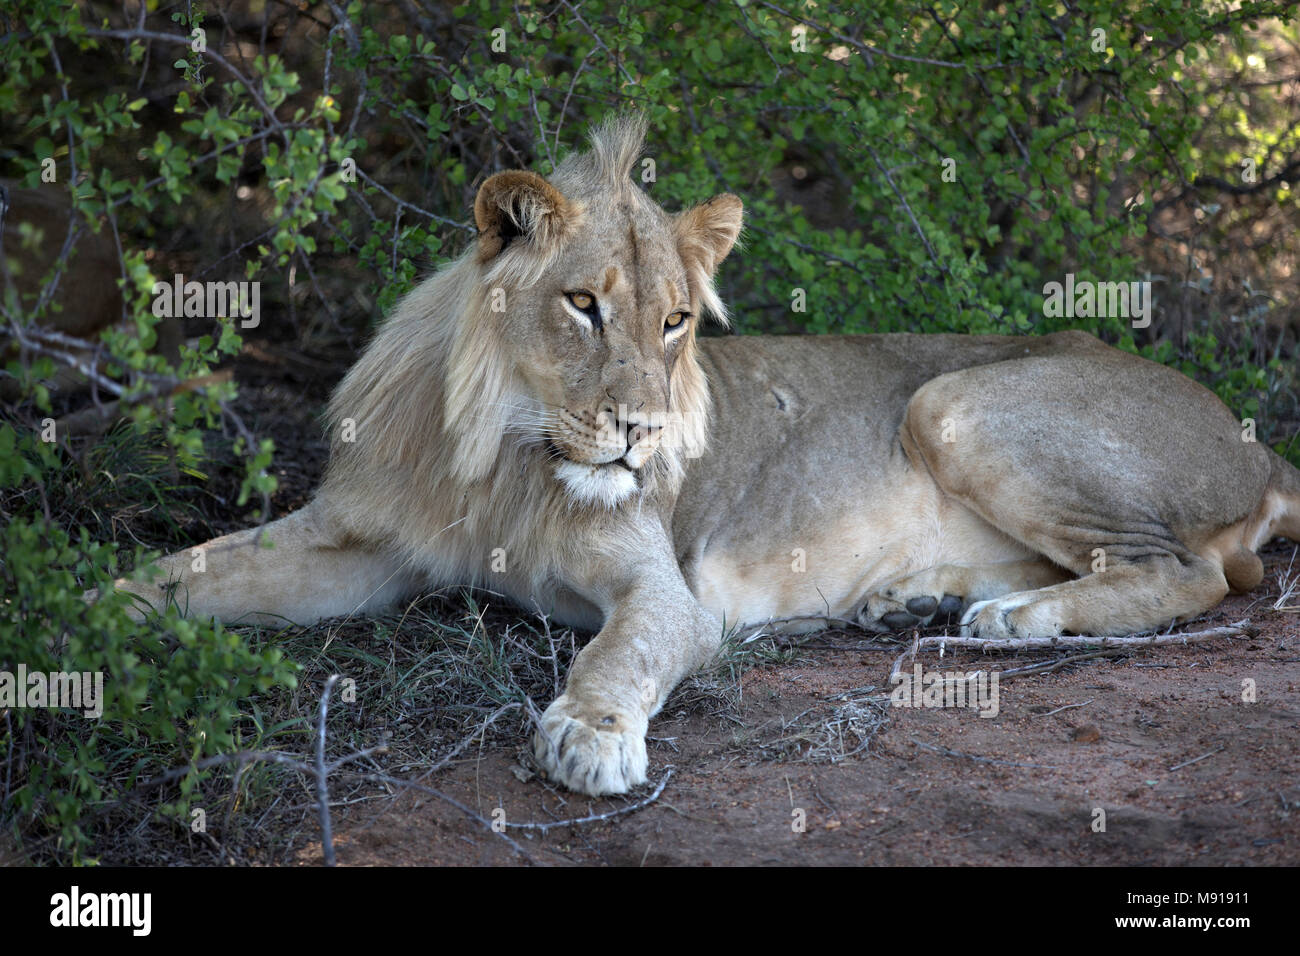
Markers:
<point>1066,707</point>
<point>239,757</point>
<point>290,760</point>
<point>465,742</point>
<point>403,204</point>
<point>1188,763</point>
<point>1051,667</point>
<point>593,818</point>
<point>320,771</point>
<point>908,654</point>
<point>322,789</point>
<point>1109,646</point>
<point>422,788</point>
<point>96,415</point>
<point>1236,629</point>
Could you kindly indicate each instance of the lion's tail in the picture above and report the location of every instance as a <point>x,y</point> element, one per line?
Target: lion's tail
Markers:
<point>1285,482</point>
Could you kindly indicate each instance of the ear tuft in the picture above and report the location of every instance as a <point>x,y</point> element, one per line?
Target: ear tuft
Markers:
<point>520,204</point>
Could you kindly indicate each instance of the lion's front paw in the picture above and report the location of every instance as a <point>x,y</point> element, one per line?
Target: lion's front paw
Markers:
<point>591,749</point>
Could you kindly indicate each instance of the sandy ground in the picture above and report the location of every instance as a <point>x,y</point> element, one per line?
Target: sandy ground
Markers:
<point>1185,770</point>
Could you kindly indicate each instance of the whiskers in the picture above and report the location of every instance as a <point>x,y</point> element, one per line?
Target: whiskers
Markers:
<point>529,422</point>
<point>555,437</point>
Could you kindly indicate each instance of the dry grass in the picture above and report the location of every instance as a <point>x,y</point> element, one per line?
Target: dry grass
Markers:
<point>1288,585</point>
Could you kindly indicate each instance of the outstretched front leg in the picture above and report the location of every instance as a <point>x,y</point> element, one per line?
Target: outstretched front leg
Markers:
<point>592,737</point>
<point>301,568</point>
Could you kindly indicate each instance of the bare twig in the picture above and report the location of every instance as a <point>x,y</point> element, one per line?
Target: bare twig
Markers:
<point>402,203</point>
<point>322,788</point>
<point>455,751</point>
<point>1066,707</point>
<point>1107,647</point>
<point>433,792</point>
<point>1237,629</point>
<point>596,817</point>
<point>1188,763</point>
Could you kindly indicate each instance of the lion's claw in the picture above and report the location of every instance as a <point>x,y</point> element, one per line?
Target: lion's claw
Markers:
<point>591,750</point>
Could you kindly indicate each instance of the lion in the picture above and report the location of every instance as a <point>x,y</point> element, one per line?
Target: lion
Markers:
<point>540,418</point>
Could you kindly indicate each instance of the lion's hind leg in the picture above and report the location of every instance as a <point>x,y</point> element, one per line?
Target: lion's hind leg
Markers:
<point>1122,599</point>
<point>1118,470</point>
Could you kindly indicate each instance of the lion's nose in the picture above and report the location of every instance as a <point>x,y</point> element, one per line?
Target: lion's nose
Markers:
<point>633,426</point>
<point>639,431</point>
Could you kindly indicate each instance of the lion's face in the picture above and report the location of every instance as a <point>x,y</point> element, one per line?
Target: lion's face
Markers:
<point>598,292</point>
<point>606,327</point>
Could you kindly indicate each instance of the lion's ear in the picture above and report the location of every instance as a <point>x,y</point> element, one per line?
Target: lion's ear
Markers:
<point>705,234</point>
<point>519,204</point>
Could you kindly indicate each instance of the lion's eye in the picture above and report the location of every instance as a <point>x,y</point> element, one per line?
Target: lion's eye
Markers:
<point>582,301</point>
<point>585,303</point>
<point>675,321</point>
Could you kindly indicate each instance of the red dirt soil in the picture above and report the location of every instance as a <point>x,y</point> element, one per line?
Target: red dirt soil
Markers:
<point>936,786</point>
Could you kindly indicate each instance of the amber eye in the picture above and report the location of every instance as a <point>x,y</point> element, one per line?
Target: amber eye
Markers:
<point>675,321</point>
<point>582,301</point>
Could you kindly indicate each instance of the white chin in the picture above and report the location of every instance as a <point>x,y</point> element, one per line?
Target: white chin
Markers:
<point>603,485</point>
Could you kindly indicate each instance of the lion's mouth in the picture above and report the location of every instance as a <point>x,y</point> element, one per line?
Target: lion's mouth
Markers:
<point>556,453</point>
<point>604,484</point>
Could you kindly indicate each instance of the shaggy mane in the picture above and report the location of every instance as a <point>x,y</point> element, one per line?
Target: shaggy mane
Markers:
<point>425,421</point>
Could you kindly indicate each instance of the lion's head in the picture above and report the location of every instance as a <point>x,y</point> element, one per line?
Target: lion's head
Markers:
<point>555,359</point>
<point>586,345</point>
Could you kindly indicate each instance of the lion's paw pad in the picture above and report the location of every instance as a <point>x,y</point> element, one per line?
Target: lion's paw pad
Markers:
<point>591,750</point>
<point>894,610</point>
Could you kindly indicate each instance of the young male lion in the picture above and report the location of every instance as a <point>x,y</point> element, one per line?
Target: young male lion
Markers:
<point>525,421</point>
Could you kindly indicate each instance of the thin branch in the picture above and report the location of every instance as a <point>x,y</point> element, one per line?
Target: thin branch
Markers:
<point>870,51</point>
<point>1066,707</point>
<point>176,39</point>
<point>322,775</point>
<point>406,205</point>
<point>596,817</point>
<point>1239,629</point>
<point>1188,763</point>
